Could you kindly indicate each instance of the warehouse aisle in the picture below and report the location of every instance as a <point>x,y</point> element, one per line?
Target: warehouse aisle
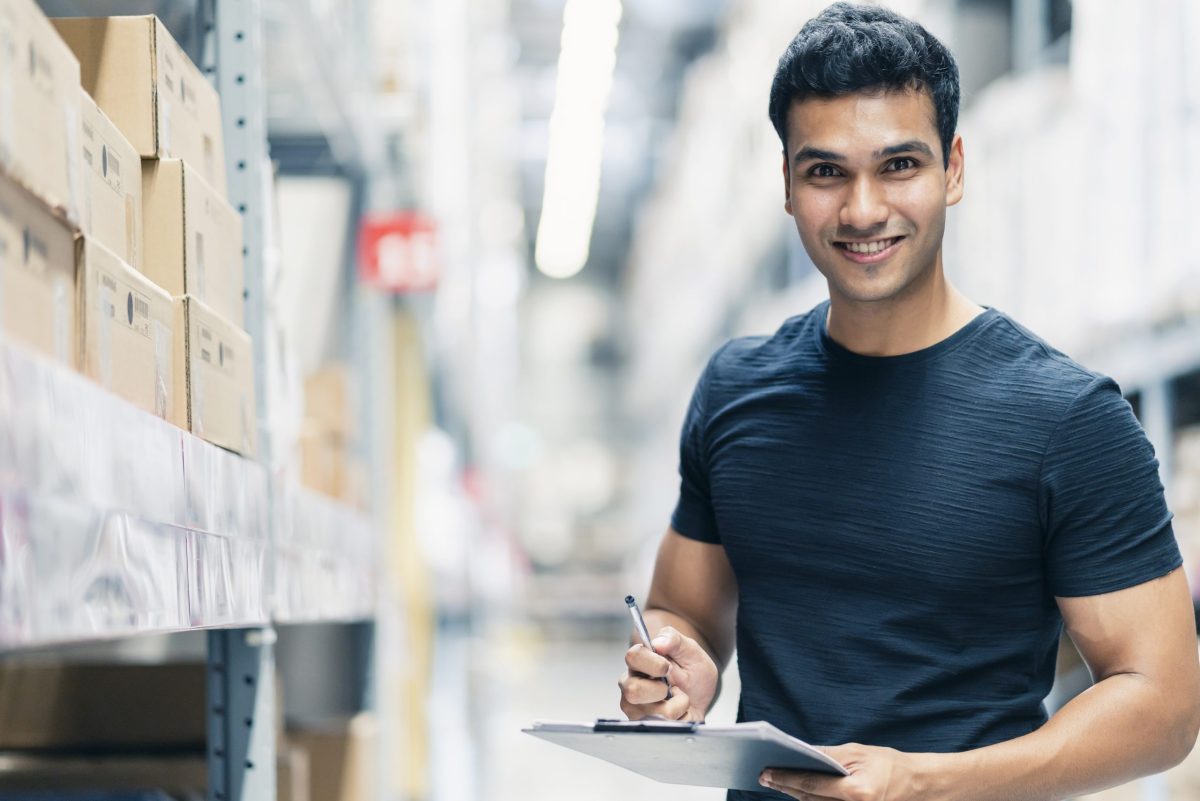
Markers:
<point>528,679</point>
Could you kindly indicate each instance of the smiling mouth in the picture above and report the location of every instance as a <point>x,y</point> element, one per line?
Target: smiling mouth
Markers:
<point>870,247</point>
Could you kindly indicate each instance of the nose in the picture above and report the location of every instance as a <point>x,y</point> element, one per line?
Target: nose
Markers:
<point>866,206</point>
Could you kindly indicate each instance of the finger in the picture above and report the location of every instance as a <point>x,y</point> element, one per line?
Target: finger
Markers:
<point>667,642</point>
<point>644,691</point>
<point>642,660</point>
<point>805,782</point>
<point>676,708</point>
<point>683,651</point>
<point>801,795</point>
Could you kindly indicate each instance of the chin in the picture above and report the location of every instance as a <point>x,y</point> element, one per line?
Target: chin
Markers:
<point>869,291</point>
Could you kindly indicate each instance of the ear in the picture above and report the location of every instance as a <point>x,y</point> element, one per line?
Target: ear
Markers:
<point>955,172</point>
<point>787,185</point>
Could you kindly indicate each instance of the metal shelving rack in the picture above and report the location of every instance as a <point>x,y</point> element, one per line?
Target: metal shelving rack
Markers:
<point>84,554</point>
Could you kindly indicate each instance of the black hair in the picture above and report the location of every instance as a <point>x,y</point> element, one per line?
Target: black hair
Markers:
<point>849,48</point>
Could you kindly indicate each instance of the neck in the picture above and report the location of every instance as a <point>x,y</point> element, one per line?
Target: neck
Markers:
<point>918,318</point>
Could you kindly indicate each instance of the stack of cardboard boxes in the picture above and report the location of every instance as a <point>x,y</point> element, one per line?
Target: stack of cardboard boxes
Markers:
<point>110,728</point>
<point>39,181</point>
<point>328,463</point>
<point>119,252</point>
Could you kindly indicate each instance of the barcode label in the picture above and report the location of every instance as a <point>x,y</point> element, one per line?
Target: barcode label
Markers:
<point>141,307</point>
<point>114,164</point>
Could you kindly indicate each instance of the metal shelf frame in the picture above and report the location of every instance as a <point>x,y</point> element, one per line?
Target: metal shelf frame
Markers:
<point>85,553</point>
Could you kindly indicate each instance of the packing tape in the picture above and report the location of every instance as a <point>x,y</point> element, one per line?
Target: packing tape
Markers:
<point>201,270</point>
<point>75,175</point>
<point>163,373</point>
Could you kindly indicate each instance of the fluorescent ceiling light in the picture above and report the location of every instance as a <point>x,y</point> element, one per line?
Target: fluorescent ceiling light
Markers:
<point>576,149</point>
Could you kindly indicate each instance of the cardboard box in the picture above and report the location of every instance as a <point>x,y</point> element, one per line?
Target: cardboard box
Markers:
<point>111,207</point>
<point>37,274</point>
<point>193,238</point>
<point>103,707</point>
<point>328,466</point>
<point>329,400</point>
<point>184,776</point>
<point>125,326</point>
<point>39,107</point>
<point>148,86</point>
<point>341,759</point>
<point>291,773</point>
<point>214,378</point>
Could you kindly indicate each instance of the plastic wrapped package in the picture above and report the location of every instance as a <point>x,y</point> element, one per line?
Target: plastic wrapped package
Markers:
<point>113,521</point>
<point>325,559</point>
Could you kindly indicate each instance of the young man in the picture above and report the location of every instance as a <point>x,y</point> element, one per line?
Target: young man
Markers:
<point>898,500</point>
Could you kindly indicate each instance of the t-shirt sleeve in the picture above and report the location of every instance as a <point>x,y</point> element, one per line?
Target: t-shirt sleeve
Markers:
<point>693,516</point>
<point>1107,525</point>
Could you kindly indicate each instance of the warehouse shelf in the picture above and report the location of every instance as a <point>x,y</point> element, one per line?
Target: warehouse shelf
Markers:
<point>114,522</point>
<point>325,561</point>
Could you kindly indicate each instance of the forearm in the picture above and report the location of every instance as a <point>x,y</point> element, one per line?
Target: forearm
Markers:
<point>1121,728</point>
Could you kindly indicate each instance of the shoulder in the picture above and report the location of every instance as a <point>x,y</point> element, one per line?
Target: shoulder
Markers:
<point>1037,371</point>
<point>747,359</point>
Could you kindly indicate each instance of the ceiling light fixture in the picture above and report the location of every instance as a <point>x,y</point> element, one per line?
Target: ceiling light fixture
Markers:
<point>576,149</point>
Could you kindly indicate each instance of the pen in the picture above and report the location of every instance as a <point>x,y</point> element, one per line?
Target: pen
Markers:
<point>643,632</point>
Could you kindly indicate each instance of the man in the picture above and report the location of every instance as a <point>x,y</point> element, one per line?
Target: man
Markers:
<point>898,499</point>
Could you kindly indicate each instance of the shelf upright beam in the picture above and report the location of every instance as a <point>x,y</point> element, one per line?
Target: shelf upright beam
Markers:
<point>238,74</point>
<point>241,662</point>
<point>241,715</point>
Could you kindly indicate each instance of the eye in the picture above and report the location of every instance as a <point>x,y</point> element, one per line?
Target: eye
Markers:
<point>901,164</point>
<point>823,171</point>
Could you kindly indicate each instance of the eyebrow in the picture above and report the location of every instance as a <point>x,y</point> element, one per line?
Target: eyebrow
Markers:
<point>813,154</point>
<point>816,154</point>
<point>911,146</point>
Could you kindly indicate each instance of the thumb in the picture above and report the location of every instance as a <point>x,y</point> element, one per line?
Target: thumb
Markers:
<point>673,645</point>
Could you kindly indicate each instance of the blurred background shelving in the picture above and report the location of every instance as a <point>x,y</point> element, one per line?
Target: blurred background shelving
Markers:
<point>455,483</point>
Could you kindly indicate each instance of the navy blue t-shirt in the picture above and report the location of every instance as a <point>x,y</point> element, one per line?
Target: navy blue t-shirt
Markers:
<point>900,526</point>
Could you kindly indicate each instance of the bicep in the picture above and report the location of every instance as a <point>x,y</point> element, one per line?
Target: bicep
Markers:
<point>695,581</point>
<point>1148,629</point>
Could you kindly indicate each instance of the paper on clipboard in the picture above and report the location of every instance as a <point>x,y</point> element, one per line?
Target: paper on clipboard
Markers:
<point>678,752</point>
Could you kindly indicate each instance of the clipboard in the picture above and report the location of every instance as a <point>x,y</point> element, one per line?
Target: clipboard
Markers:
<point>685,752</point>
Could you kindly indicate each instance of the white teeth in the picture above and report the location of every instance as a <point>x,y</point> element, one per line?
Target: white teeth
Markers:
<point>870,247</point>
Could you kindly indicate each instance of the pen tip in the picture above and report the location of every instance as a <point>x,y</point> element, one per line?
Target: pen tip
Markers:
<point>629,600</point>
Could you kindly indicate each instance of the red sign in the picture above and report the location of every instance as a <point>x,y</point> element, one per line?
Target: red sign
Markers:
<point>397,252</point>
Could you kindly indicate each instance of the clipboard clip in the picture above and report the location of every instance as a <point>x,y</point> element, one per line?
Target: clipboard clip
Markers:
<point>652,725</point>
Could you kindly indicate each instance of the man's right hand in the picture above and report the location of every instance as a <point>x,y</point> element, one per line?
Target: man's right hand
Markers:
<point>688,667</point>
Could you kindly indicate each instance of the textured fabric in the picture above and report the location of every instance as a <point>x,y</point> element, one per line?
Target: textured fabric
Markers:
<point>900,526</point>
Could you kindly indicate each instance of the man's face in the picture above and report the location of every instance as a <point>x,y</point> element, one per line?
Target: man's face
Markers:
<point>866,186</point>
